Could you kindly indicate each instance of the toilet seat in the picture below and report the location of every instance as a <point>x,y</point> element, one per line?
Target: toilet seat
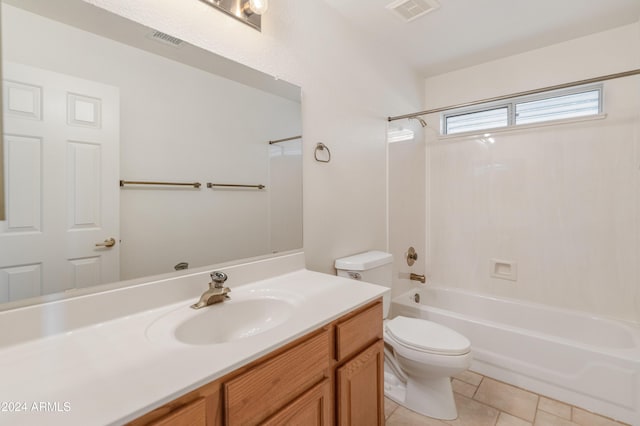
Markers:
<point>427,336</point>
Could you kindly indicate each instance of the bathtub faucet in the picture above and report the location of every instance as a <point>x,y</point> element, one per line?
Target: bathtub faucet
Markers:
<point>416,277</point>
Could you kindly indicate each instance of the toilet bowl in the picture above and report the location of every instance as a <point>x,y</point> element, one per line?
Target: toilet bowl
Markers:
<point>420,355</point>
<point>420,359</point>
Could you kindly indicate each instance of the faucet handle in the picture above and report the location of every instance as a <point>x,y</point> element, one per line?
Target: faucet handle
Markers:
<point>218,278</point>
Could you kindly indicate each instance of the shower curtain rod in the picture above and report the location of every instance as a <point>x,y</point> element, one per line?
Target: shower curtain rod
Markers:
<point>525,93</point>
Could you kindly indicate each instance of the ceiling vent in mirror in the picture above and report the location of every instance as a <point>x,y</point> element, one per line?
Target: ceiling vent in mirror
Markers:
<point>165,38</point>
<point>412,9</point>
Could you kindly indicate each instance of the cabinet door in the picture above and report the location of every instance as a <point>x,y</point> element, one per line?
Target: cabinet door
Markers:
<point>360,388</point>
<point>313,408</point>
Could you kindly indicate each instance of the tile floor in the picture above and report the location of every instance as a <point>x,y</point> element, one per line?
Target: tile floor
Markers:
<point>483,401</point>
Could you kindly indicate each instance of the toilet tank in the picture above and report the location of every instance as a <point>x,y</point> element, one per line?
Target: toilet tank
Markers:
<point>375,267</point>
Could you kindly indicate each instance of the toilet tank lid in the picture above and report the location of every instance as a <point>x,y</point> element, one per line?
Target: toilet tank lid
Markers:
<point>364,261</point>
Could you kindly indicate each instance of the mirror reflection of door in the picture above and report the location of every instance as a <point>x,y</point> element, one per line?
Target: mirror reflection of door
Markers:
<point>61,136</point>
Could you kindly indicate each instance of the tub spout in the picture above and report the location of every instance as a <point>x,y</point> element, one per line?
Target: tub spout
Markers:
<point>416,277</point>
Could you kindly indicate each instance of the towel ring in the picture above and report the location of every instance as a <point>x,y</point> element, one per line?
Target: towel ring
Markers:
<point>321,147</point>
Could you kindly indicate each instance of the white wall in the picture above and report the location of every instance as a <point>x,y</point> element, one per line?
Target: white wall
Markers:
<point>561,201</point>
<point>180,124</point>
<point>349,88</point>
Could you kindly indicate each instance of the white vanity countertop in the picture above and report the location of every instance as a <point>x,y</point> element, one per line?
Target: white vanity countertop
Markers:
<point>113,371</point>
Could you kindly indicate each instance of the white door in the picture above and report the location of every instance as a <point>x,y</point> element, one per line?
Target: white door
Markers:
<point>61,146</point>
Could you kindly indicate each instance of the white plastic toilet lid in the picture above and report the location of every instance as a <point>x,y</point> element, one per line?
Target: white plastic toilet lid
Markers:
<point>427,336</point>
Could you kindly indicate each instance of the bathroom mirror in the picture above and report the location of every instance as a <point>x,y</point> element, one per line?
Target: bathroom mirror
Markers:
<point>90,100</point>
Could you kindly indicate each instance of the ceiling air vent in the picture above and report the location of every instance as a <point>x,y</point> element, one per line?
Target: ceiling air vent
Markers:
<point>165,38</point>
<point>412,9</point>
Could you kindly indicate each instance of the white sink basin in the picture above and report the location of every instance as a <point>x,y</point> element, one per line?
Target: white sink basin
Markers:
<point>246,314</point>
<point>226,322</point>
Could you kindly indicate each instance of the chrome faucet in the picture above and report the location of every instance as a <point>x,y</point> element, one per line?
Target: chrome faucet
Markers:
<point>217,292</point>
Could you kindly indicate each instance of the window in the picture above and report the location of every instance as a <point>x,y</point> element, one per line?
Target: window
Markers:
<point>478,120</point>
<point>558,107</point>
<point>546,106</point>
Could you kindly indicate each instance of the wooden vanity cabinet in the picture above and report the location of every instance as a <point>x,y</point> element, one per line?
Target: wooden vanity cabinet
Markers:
<point>262,391</point>
<point>313,408</point>
<point>198,408</point>
<point>359,376</point>
<point>333,375</point>
<point>359,388</point>
<point>194,413</point>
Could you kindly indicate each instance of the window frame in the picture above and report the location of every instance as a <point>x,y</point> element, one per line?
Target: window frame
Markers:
<point>511,104</point>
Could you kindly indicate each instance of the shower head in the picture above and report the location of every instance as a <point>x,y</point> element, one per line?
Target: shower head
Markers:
<point>420,120</point>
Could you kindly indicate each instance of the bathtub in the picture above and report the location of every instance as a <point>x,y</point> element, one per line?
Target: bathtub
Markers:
<point>590,362</point>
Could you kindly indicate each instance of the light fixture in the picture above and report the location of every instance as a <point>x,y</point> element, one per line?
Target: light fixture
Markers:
<point>246,11</point>
<point>258,7</point>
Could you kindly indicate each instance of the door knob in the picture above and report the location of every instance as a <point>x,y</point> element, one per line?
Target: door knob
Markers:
<point>107,243</point>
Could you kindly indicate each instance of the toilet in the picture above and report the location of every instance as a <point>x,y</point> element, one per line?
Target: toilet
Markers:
<point>420,355</point>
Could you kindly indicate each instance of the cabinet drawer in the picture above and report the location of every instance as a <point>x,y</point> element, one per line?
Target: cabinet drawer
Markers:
<point>358,332</point>
<point>189,415</point>
<point>260,392</point>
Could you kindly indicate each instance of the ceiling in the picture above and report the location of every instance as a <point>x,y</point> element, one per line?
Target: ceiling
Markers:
<point>463,33</point>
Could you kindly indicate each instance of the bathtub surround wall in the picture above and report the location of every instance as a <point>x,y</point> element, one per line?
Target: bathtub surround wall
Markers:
<point>563,201</point>
<point>407,207</point>
<point>348,87</point>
